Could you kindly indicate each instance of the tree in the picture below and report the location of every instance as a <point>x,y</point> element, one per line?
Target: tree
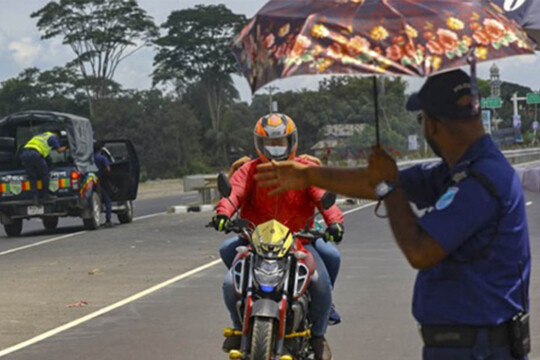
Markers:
<point>101,33</point>
<point>195,57</point>
<point>197,46</point>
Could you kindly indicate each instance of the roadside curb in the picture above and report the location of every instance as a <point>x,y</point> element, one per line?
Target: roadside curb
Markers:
<point>183,209</point>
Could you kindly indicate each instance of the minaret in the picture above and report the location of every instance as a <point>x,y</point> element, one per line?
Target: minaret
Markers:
<point>495,81</point>
<point>495,86</point>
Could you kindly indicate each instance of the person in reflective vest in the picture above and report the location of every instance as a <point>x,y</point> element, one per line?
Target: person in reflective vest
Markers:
<point>33,158</point>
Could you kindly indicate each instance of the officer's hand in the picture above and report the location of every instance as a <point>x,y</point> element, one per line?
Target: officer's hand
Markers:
<point>311,158</point>
<point>282,176</point>
<point>221,222</point>
<point>334,233</point>
<point>382,167</point>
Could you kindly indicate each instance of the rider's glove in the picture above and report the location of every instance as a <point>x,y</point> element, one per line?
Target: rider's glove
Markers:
<point>334,233</point>
<point>221,222</point>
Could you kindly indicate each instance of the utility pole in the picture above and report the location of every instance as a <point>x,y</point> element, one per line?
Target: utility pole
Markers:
<point>515,99</point>
<point>271,90</point>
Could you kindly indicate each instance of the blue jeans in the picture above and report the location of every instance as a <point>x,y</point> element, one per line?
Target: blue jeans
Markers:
<point>36,167</point>
<point>481,351</point>
<point>320,290</point>
<point>328,252</point>
<point>107,201</point>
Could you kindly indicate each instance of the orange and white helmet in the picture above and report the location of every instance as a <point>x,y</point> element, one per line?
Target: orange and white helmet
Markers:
<point>276,137</point>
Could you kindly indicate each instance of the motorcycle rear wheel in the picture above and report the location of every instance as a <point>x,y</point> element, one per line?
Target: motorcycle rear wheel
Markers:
<point>262,339</point>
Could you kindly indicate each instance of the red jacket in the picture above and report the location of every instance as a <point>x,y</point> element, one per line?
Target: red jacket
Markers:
<point>292,208</point>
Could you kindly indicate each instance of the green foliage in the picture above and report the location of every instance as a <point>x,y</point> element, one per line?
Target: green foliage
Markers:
<point>196,46</point>
<point>101,33</point>
<point>162,129</point>
<point>54,89</point>
<point>195,57</point>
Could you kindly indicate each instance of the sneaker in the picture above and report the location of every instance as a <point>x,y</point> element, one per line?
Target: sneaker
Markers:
<point>321,348</point>
<point>334,317</point>
<point>232,343</point>
<point>108,224</point>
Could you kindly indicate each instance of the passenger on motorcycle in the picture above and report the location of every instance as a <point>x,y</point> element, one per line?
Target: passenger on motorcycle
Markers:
<point>276,138</point>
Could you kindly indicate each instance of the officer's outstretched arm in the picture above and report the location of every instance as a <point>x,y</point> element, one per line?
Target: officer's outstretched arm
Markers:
<point>421,250</point>
<point>62,149</point>
<point>291,175</point>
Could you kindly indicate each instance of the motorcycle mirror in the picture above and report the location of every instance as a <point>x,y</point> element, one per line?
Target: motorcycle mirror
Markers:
<point>224,186</point>
<point>328,200</point>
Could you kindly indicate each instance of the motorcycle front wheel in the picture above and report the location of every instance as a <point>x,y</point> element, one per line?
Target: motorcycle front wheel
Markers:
<point>262,339</point>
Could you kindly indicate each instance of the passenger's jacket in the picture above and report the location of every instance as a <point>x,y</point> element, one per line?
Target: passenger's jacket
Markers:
<point>292,208</point>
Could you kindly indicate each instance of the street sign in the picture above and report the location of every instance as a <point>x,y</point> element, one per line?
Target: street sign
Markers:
<point>533,98</point>
<point>517,121</point>
<point>493,103</point>
<point>486,120</point>
<point>413,142</point>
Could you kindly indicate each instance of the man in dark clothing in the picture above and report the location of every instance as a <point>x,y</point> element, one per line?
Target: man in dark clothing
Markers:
<point>104,167</point>
<point>33,158</point>
<point>471,246</point>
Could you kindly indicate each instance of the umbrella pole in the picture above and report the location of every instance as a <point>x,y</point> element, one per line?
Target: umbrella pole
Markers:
<point>376,103</point>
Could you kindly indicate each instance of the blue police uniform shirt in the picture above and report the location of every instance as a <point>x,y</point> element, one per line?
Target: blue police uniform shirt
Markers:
<point>479,282</point>
<point>54,143</point>
<point>101,162</point>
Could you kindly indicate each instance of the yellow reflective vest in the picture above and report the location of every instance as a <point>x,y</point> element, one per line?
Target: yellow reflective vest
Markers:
<point>40,143</point>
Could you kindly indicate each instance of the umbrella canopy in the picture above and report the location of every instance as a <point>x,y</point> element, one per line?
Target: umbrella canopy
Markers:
<point>400,37</point>
<point>524,12</point>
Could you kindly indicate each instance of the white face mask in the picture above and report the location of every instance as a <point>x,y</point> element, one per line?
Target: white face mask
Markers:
<point>276,150</point>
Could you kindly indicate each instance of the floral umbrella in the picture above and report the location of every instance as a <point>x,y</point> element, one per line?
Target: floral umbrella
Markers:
<point>526,13</point>
<point>394,37</point>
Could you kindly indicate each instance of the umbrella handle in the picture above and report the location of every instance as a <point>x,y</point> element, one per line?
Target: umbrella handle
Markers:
<point>376,104</point>
<point>471,59</point>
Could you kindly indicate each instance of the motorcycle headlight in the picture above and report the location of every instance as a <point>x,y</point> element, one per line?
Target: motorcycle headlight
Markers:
<point>269,273</point>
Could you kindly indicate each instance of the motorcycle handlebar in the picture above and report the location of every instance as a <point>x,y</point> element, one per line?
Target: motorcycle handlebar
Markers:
<point>239,225</point>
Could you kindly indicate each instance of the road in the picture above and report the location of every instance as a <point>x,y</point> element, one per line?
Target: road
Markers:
<point>183,319</point>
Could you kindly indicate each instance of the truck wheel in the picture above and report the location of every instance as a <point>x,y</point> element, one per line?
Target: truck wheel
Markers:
<point>14,229</point>
<point>50,223</point>
<point>127,216</point>
<point>93,222</point>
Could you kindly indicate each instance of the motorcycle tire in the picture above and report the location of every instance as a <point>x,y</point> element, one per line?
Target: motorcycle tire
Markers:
<point>262,339</point>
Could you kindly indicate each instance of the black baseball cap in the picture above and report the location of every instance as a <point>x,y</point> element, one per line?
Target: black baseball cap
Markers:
<point>447,95</point>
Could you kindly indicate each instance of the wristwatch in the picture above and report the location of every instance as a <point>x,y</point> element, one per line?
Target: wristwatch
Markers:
<point>384,188</point>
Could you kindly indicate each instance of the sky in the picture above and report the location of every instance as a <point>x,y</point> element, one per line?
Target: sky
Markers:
<point>21,47</point>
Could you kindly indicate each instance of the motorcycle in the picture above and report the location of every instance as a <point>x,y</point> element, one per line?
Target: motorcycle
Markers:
<point>271,277</point>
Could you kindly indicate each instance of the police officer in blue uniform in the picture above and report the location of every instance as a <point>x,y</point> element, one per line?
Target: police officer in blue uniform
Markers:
<point>471,245</point>
<point>33,158</point>
<point>104,167</point>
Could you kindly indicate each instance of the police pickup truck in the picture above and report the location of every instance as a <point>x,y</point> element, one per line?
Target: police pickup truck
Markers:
<point>73,174</point>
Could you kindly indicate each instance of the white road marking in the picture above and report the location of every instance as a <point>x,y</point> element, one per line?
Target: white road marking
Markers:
<point>148,216</point>
<point>54,239</point>
<point>529,203</point>
<point>125,301</point>
<point>106,309</point>
<point>11,251</point>
<point>359,208</point>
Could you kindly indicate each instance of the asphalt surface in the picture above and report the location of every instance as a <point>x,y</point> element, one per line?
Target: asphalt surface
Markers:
<point>185,319</point>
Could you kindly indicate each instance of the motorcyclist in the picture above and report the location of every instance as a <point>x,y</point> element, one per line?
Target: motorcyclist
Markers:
<point>276,138</point>
<point>326,249</point>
